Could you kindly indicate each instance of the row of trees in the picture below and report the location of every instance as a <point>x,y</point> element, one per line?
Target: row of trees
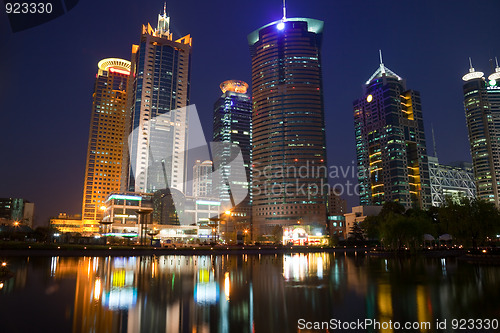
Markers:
<point>471,222</point>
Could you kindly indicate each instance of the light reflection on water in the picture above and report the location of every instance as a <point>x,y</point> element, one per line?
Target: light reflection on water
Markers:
<point>239,293</point>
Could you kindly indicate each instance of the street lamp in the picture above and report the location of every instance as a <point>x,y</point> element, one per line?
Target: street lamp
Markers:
<point>143,212</point>
<point>228,214</point>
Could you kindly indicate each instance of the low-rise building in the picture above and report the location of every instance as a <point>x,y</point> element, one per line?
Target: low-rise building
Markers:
<point>359,214</point>
<point>67,223</point>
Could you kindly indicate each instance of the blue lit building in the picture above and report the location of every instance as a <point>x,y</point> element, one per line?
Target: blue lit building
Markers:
<point>232,133</point>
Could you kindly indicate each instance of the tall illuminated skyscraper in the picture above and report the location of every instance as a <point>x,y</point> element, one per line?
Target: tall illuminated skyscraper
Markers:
<point>390,143</point>
<point>158,117</point>
<point>288,125</point>
<point>482,112</point>
<point>106,139</point>
<point>232,128</point>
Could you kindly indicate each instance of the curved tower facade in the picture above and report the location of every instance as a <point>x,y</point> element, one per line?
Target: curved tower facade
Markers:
<point>482,113</point>
<point>289,151</point>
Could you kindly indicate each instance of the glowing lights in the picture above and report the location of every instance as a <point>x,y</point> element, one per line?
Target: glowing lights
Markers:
<point>227,286</point>
<point>369,98</point>
<point>115,64</point>
<point>4,264</point>
<point>472,75</point>
<point>228,212</point>
<point>97,289</point>
<point>119,71</point>
<point>492,82</point>
<point>280,26</point>
<point>234,86</point>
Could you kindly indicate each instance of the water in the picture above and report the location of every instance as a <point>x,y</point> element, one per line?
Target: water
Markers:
<point>241,293</point>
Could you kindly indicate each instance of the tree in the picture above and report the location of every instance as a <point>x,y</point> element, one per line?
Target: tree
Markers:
<point>356,233</point>
<point>277,234</point>
<point>469,221</point>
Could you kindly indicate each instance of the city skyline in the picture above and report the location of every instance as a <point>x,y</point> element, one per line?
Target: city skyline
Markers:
<point>48,135</point>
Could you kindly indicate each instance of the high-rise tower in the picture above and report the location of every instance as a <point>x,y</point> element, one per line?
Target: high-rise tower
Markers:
<point>289,149</point>
<point>390,143</point>
<point>158,117</point>
<point>106,139</point>
<point>482,112</point>
<point>232,129</point>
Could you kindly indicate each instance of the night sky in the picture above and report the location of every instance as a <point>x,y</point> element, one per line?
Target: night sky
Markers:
<point>48,72</point>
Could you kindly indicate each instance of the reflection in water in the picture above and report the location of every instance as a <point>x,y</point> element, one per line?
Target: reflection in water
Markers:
<point>245,293</point>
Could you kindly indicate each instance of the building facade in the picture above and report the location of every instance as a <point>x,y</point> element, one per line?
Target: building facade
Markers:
<point>106,139</point>
<point>336,205</point>
<point>202,179</point>
<point>18,210</point>
<point>288,125</point>
<point>232,136</point>
<point>390,143</point>
<point>482,113</point>
<point>453,181</point>
<point>158,124</point>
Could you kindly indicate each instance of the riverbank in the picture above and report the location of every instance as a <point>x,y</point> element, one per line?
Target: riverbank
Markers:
<point>75,250</point>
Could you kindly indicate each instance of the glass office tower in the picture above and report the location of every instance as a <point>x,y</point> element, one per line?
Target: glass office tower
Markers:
<point>390,143</point>
<point>482,112</point>
<point>160,89</point>
<point>106,139</point>
<point>232,133</point>
<point>289,149</point>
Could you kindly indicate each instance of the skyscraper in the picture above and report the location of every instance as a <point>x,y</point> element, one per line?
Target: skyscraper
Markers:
<point>482,112</point>
<point>202,179</point>
<point>390,142</point>
<point>106,139</point>
<point>158,117</point>
<point>232,132</point>
<point>289,149</point>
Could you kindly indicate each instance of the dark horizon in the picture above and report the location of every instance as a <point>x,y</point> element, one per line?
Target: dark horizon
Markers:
<point>49,72</point>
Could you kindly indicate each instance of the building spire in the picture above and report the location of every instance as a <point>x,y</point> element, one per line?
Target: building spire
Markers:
<point>382,67</point>
<point>163,28</point>
<point>284,11</point>
<point>434,141</point>
<point>472,73</point>
<point>495,77</point>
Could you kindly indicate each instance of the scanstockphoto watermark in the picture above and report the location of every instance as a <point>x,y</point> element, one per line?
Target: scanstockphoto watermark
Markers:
<point>309,180</point>
<point>363,324</point>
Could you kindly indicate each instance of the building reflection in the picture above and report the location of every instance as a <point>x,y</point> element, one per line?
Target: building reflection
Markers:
<point>258,293</point>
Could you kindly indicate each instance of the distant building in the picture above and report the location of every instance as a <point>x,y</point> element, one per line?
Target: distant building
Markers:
<point>336,226</point>
<point>336,205</point>
<point>106,139</point>
<point>390,143</point>
<point>450,181</point>
<point>482,112</point>
<point>359,214</point>
<point>67,223</point>
<point>17,210</point>
<point>202,179</point>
